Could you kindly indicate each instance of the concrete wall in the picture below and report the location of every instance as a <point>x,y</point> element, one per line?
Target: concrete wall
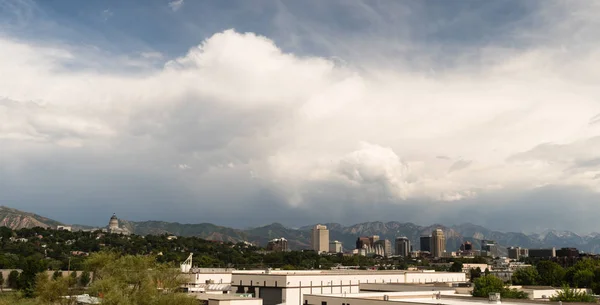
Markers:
<point>248,301</point>
<point>296,284</point>
<point>201,278</point>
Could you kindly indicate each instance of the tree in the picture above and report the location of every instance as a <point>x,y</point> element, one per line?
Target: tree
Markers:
<point>487,271</point>
<point>583,278</point>
<point>474,274</point>
<point>134,279</point>
<point>56,274</point>
<point>53,291</point>
<point>13,279</point>
<point>550,273</point>
<point>456,267</point>
<point>487,284</point>
<point>525,276</point>
<point>84,279</point>
<point>491,284</point>
<point>1,281</point>
<point>571,295</point>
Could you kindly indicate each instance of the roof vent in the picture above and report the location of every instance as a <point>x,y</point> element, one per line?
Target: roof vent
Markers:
<point>386,297</point>
<point>494,298</point>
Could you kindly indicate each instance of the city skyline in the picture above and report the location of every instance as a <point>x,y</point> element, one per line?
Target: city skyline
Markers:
<point>244,114</point>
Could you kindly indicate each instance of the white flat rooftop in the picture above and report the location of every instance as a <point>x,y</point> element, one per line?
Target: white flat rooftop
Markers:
<point>456,300</point>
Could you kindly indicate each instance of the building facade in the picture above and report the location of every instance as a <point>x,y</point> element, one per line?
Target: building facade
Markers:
<point>542,253</point>
<point>425,243</point>
<point>278,245</point>
<point>438,243</point>
<point>113,226</point>
<point>289,287</point>
<point>335,247</point>
<point>320,239</point>
<point>384,246</point>
<point>402,246</point>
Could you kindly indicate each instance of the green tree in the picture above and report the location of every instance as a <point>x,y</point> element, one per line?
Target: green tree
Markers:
<point>571,295</point>
<point>474,274</point>
<point>1,281</point>
<point>583,278</point>
<point>133,279</point>
<point>456,267</point>
<point>56,274</point>
<point>84,279</point>
<point>487,271</point>
<point>54,291</point>
<point>525,276</point>
<point>551,273</point>
<point>13,279</point>
<point>491,284</point>
<point>487,284</point>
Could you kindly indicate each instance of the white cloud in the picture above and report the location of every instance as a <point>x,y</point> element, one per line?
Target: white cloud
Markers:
<point>300,124</point>
<point>176,5</point>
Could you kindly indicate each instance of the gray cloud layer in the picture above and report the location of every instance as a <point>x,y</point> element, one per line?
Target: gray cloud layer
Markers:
<point>422,124</point>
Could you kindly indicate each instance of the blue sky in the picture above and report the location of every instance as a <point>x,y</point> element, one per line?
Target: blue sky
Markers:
<point>244,113</point>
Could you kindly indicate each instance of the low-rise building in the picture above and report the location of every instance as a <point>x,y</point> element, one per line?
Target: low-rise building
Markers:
<point>278,286</point>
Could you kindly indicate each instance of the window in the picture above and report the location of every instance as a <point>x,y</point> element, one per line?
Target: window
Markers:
<point>323,303</point>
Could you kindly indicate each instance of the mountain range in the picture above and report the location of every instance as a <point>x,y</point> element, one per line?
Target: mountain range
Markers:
<point>299,238</point>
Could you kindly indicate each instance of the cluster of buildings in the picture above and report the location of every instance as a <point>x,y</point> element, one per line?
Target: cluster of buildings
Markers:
<point>273,287</point>
<point>343,287</point>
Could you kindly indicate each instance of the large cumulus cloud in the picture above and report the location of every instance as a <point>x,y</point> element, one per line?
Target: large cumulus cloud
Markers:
<point>236,125</point>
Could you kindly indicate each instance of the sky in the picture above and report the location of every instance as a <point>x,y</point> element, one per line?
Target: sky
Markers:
<point>244,113</point>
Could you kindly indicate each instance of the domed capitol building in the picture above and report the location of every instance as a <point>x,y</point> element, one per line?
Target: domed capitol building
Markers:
<point>113,226</point>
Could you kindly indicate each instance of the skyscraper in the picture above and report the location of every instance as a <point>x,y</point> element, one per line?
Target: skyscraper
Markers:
<point>425,242</point>
<point>320,239</point>
<point>438,243</point>
<point>278,244</point>
<point>385,247</point>
<point>402,246</point>
<point>335,247</point>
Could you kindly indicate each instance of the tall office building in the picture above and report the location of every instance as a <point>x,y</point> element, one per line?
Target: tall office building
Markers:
<point>320,239</point>
<point>425,242</point>
<point>278,244</point>
<point>384,247</point>
<point>402,246</point>
<point>363,242</point>
<point>335,247</point>
<point>438,243</point>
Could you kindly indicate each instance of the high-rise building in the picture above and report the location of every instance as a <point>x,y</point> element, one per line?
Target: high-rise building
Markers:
<point>335,247</point>
<point>384,247</point>
<point>363,242</point>
<point>467,246</point>
<point>542,253</point>
<point>438,243</point>
<point>320,239</point>
<point>402,246</point>
<point>373,239</point>
<point>517,252</point>
<point>278,245</point>
<point>425,243</point>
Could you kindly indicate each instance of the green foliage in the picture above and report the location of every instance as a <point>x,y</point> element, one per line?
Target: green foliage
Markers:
<point>138,280</point>
<point>456,267</point>
<point>490,284</point>
<point>571,295</point>
<point>13,279</point>
<point>56,274</point>
<point>487,284</point>
<point>550,273</point>
<point>53,291</point>
<point>526,276</point>
<point>474,274</point>
<point>85,278</point>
